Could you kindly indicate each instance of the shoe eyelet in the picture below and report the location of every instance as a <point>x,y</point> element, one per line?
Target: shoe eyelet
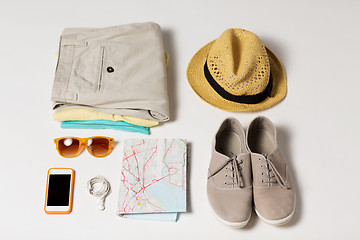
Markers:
<point>226,168</point>
<point>259,159</point>
<point>225,183</point>
<point>261,166</point>
<point>262,174</point>
<point>226,176</point>
<point>262,180</point>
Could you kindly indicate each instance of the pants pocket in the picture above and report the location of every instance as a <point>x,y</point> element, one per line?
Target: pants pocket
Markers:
<point>88,67</point>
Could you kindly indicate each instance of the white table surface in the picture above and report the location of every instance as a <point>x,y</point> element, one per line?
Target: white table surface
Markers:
<point>318,122</point>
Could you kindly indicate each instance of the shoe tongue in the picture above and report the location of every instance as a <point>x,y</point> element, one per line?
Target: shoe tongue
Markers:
<point>232,155</point>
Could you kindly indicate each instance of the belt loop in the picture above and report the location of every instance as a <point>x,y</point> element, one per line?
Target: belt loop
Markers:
<point>70,40</point>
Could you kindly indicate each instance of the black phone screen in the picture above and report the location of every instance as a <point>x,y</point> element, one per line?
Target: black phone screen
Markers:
<point>59,190</point>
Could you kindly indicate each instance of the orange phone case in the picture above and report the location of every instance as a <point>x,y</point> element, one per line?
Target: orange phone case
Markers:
<point>71,192</point>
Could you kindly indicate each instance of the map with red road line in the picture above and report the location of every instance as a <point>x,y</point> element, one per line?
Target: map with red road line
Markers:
<point>153,176</point>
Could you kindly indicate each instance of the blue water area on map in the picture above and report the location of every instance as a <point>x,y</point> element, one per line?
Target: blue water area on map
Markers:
<point>173,197</point>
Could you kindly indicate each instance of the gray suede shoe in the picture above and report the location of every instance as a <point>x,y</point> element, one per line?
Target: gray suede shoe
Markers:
<point>229,185</point>
<point>274,196</point>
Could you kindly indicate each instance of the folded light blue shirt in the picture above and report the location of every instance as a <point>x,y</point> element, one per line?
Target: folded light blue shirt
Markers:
<point>105,124</point>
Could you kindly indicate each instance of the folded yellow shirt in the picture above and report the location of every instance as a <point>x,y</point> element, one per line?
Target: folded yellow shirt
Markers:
<point>68,114</point>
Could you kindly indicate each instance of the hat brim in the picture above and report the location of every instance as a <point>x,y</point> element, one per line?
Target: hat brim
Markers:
<point>198,82</point>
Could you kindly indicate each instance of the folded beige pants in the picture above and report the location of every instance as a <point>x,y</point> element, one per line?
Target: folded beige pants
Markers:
<point>118,70</point>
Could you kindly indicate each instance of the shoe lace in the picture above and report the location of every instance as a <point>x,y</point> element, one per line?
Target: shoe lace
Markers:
<point>273,173</point>
<point>235,168</point>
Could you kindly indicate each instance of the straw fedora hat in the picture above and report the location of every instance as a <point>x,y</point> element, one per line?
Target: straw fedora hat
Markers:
<point>236,72</point>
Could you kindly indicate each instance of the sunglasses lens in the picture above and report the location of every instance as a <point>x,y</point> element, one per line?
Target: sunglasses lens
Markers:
<point>98,147</point>
<point>68,147</point>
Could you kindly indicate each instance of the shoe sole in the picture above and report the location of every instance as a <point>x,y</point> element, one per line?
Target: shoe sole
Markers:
<point>232,224</point>
<point>278,222</point>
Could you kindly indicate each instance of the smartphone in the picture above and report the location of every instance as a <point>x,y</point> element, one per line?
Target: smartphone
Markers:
<point>59,190</point>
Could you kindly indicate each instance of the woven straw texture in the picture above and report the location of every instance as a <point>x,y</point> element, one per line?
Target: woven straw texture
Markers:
<point>240,64</point>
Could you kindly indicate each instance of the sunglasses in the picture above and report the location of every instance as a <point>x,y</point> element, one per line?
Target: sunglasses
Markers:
<point>69,147</point>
